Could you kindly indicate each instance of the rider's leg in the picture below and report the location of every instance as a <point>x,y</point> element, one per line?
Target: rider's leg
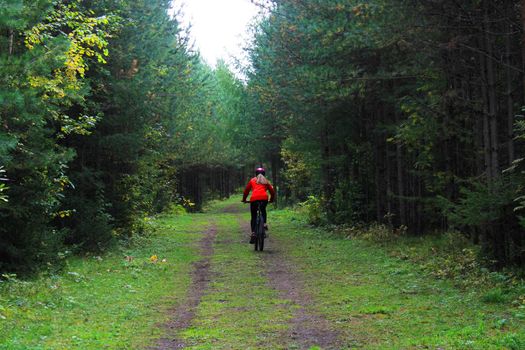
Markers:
<point>253,210</point>
<point>263,211</point>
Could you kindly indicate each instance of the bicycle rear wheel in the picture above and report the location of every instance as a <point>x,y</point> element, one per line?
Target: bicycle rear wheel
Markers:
<point>256,245</point>
<point>261,243</point>
<point>260,235</point>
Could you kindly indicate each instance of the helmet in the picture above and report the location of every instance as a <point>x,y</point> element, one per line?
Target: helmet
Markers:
<point>260,170</point>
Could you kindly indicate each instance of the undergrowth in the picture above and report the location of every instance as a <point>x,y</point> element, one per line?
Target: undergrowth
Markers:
<point>389,290</point>
<point>448,255</point>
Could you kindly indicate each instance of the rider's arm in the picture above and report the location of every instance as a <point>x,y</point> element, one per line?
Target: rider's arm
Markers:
<point>247,191</point>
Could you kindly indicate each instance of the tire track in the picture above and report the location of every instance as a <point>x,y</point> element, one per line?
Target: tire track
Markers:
<point>184,314</point>
<point>307,327</point>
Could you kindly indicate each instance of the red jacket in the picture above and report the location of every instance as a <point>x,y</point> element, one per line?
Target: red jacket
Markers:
<point>259,191</point>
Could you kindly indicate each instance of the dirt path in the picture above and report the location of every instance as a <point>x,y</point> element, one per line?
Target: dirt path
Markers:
<point>303,330</point>
<point>182,316</point>
<point>308,328</point>
<point>313,291</point>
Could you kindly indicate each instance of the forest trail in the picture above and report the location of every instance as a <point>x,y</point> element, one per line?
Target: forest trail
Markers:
<point>312,290</point>
<point>181,317</point>
<point>195,283</point>
<point>300,328</point>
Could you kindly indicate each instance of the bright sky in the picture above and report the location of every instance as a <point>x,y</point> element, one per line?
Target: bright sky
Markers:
<point>218,26</point>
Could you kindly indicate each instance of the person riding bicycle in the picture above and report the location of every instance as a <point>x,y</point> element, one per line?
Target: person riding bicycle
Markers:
<point>258,185</point>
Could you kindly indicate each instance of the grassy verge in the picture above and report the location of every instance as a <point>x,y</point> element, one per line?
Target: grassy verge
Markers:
<point>240,310</point>
<point>107,302</point>
<point>399,295</point>
<point>380,301</point>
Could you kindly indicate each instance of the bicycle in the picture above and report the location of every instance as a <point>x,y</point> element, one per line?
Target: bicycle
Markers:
<point>260,230</point>
<point>260,233</point>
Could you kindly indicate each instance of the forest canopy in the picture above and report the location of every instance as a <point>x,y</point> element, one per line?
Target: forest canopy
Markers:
<point>403,113</point>
<point>406,113</point>
<point>108,115</point>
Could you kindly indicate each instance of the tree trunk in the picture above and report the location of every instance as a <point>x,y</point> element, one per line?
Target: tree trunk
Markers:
<point>523,46</point>
<point>400,185</point>
<point>486,130</point>
<point>388,187</point>
<point>400,181</point>
<point>380,197</point>
<point>327,178</point>
<point>492,98</point>
<point>510,103</point>
<point>11,41</point>
<point>478,139</point>
<point>275,172</point>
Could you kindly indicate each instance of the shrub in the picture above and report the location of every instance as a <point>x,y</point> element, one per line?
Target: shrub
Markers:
<point>296,175</point>
<point>3,187</point>
<point>350,203</point>
<point>91,225</point>
<point>494,296</point>
<point>380,233</point>
<point>175,209</point>
<point>314,212</point>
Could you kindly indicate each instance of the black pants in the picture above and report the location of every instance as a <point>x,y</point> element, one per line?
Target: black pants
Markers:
<point>253,209</point>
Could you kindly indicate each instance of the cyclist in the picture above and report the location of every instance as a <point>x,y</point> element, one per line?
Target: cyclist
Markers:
<point>258,185</point>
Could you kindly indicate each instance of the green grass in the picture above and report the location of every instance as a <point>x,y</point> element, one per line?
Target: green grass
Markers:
<point>103,302</point>
<point>379,296</point>
<point>383,302</point>
<point>240,310</point>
